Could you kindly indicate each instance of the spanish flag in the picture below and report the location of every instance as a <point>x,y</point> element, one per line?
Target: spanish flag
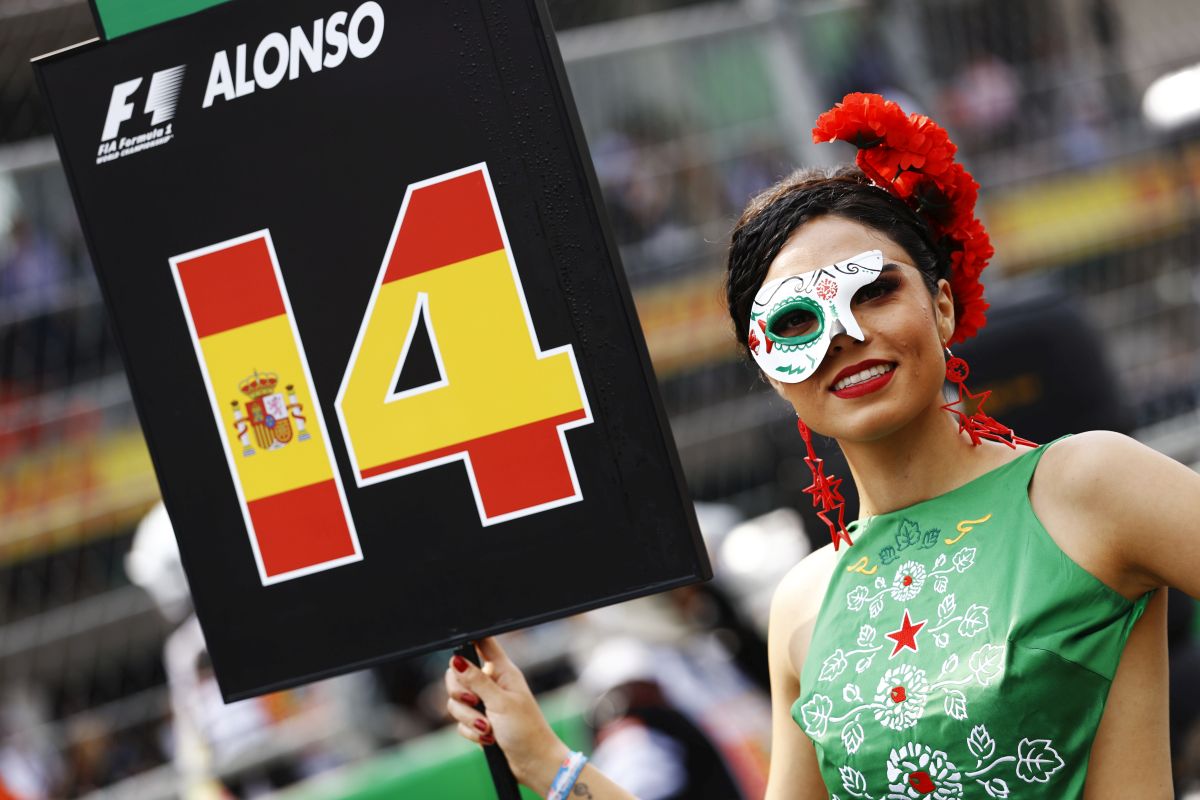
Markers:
<point>268,416</point>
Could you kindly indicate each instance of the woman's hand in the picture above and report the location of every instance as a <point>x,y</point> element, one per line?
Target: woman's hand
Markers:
<point>512,718</point>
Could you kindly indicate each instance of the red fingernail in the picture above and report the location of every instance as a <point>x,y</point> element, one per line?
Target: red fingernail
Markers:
<point>481,724</point>
<point>460,663</point>
<point>469,699</point>
<point>487,738</point>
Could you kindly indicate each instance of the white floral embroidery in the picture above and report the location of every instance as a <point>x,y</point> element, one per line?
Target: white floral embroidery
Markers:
<point>853,736</point>
<point>1037,760</point>
<point>974,620</point>
<point>833,665</point>
<point>918,772</point>
<point>815,714</point>
<point>964,558</point>
<point>866,636</point>
<point>956,704</point>
<point>908,581</point>
<point>996,787</point>
<point>981,744</point>
<point>855,597</point>
<point>901,696</point>
<point>987,663</point>
<point>853,781</point>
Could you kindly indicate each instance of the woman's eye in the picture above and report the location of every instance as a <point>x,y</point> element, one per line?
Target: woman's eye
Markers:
<point>872,290</point>
<point>793,323</point>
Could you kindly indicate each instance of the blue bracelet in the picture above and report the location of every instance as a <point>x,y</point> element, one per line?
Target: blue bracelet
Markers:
<point>568,773</point>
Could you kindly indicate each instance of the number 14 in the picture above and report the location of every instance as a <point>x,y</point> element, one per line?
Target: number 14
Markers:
<point>499,404</point>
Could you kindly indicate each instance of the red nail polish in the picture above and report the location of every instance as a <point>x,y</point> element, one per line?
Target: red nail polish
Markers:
<point>469,699</point>
<point>481,724</point>
<point>488,739</point>
<point>459,663</point>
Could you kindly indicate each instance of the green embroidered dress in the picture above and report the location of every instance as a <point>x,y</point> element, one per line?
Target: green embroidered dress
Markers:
<point>959,653</point>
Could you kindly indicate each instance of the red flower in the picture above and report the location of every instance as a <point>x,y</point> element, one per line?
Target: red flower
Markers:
<point>912,157</point>
<point>969,307</point>
<point>861,119</point>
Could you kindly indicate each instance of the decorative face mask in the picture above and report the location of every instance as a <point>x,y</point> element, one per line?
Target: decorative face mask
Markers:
<point>794,319</point>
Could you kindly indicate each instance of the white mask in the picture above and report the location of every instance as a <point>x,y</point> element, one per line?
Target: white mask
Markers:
<point>794,319</point>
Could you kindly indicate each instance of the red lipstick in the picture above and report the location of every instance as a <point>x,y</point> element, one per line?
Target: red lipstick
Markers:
<point>868,386</point>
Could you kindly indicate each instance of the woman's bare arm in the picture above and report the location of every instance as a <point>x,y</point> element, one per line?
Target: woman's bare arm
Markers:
<point>514,721</point>
<point>794,774</point>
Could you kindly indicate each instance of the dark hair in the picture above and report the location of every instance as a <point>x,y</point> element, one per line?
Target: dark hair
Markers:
<point>774,214</point>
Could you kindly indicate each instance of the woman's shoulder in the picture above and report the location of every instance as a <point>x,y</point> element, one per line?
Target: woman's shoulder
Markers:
<point>1087,467</point>
<point>799,595</point>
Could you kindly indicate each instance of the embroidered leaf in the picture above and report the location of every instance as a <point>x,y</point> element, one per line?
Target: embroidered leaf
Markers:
<point>956,704</point>
<point>815,714</point>
<point>941,639</point>
<point>940,584</point>
<point>852,694</point>
<point>995,788</point>
<point>946,607</point>
<point>941,559</point>
<point>974,621</point>
<point>856,597</point>
<point>949,665</point>
<point>964,558</point>
<point>866,635</point>
<point>880,582</point>
<point>853,781</point>
<point>864,663</point>
<point>876,607</point>
<point>908,535</point>
<point>1037,760</point>
<point>833,666</point>
<point>852,736</point>
<point>982,745</point>
<point>987,662</point>
<point>930,538</point>
<point>887,555</point>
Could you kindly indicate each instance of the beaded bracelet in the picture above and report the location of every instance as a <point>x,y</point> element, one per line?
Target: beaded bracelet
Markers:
<point>568,773</point>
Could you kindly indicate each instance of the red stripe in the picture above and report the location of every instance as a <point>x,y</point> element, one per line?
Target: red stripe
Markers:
<point>445,223</point>
<point>514,469</point>
<point>231,287</point>
<point>301,528</point>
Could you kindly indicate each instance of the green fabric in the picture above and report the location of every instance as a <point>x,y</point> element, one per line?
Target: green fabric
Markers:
<point>1015,652</point>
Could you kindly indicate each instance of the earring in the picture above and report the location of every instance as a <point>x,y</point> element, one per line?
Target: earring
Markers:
<point>825,493</point>
<point>978,425</point>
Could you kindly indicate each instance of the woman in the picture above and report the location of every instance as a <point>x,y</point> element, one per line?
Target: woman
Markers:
<point>990,627</point>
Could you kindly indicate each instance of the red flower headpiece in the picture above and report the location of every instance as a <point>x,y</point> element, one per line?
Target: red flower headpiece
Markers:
<point>911,156</point>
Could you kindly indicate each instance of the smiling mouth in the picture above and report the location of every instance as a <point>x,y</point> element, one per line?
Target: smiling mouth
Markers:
<point>862,376</point>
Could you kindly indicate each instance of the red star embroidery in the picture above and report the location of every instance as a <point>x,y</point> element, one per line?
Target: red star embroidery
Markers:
<point>907,635</point>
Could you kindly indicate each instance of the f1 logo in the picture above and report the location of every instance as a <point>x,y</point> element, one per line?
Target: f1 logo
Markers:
<point>161,98</point>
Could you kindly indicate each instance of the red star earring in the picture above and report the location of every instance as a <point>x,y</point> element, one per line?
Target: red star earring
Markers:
<point>825,493</point>
<point>977,425</point>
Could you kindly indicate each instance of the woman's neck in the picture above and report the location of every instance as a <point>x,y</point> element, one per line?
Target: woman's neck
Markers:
<point>926,458</point>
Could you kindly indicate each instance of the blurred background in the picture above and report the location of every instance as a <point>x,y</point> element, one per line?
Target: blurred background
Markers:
<point>1080,118</point>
